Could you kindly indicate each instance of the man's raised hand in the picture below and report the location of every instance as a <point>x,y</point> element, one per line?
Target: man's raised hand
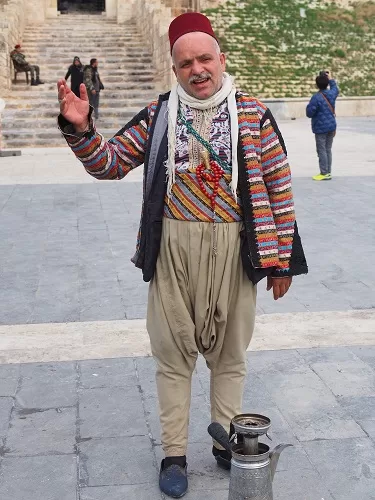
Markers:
<point>73,108</point>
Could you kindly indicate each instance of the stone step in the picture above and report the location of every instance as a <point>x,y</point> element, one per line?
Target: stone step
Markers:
<point>86,44</point>
<point>83,23</point>
<point>79,33</point>
<point>125,65</point>
<point>130,75</point>
<point>52,137</point>
<point>66,59</point>
<point>112,105</point>
<point>40,128</point>
<point>140,83</point>
<point>63,22</point>
<point>24,97</point>
<point>122,112</point>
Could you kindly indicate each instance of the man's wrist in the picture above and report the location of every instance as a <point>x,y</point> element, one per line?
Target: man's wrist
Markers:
<point>82,128</point>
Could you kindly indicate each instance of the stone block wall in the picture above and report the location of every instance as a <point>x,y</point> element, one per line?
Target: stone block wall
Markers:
<point>12,23</point>
<point>14,16</point>
<point>153,18</point>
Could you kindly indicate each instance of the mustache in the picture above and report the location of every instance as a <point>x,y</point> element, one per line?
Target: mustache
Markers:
<point>202,76</point>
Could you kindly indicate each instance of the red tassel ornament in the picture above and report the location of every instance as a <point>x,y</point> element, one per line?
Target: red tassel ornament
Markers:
<point>209,171</point>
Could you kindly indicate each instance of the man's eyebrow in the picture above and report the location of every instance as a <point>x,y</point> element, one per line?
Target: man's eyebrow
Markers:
<point>185,61</point>
<point>202,56</point>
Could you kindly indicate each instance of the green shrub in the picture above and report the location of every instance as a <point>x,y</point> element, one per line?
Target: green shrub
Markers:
<point>281,46</point>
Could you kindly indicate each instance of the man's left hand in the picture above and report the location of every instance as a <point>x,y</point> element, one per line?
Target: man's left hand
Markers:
<point>279,285</point>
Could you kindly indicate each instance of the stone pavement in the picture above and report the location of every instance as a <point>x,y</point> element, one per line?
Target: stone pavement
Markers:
<point>66,240</point>
<point>88,430</point>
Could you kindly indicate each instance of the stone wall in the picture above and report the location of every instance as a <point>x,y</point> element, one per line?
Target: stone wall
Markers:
<point>12,23</point>
<point>286,109</point>
<point>14,16</point>
<point>153,18</point>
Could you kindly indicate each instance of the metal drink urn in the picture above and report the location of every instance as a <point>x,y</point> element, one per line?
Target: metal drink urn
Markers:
<point>253,465</point>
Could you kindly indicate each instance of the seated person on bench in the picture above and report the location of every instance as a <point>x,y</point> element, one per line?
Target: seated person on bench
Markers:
<point>20,64</point>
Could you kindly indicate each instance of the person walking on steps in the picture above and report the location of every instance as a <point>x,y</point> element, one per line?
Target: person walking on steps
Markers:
<point>19,60</point>
<point>218,217</point>
<point>93,84</point>
<point>75,70</point>
<point>321,110</point>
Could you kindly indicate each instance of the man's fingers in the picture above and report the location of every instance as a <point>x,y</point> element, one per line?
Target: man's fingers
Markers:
<point>62,83</point>
<point>61,93</point>
<point>278,290</point>
<point>83,92</point>
<point>283,290</point>
<point>280,286</point>
<point>269,283</point>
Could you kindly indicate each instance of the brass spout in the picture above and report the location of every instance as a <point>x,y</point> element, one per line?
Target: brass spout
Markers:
<point>275,455</point>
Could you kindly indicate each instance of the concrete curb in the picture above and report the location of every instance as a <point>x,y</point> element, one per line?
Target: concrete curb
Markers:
<point>112,339</point>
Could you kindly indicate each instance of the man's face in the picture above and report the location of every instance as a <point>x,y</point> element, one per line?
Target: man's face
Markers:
<point>76,62</point>
<point>198,65</point>
<point>95,65</point>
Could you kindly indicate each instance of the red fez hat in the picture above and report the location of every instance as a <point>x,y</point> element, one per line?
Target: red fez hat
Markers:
<point>187,23</point>
<point>18,46</point>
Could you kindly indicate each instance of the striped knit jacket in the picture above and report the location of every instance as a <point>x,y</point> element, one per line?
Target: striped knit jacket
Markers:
<point>271,240</point>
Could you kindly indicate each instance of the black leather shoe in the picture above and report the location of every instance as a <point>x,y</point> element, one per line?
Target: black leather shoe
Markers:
<point>173,480</point>
<point>222,457</point>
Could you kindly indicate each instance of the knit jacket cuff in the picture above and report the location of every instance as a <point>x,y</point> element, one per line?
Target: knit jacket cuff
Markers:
<point>68,131</point>
<point>281,272</point>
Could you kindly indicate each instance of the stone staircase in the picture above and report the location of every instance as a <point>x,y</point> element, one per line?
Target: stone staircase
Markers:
<point>125,67</point>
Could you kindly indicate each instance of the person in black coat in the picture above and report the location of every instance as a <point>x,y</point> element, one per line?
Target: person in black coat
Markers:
<point>76,72</point>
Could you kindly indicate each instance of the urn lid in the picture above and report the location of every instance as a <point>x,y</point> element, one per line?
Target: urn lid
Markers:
<point>251,424</point>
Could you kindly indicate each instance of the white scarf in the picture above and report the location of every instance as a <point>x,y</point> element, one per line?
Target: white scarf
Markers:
<point>227,91</point>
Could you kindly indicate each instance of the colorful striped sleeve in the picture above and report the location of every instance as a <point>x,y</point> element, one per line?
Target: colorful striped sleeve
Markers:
<point>277,178</point>
<point>115,158</point>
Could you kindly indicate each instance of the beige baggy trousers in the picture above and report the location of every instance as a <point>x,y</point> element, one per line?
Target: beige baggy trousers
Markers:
<point>199,302</point>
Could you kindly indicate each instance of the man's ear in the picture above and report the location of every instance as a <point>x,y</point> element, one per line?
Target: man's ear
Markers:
<point>223,61</point>
<point>174,70</point>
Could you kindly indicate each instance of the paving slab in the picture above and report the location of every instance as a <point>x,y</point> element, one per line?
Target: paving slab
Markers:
<point>47,386</point>
<point>309,486</point>
<point>117,398</point>
<point>6,405</point>
<point>35,478</point>
<point>115,461</point>
<point>42,432</point>
<point>367,354</point>
<point>133,492</point>
<point>369,427</point>
<point>108,373</point>
<point>110,412</point>
<point>9,376</point>
<point>346,466</point>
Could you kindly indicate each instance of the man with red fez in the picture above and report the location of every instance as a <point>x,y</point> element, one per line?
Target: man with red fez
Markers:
<point>217,217</point>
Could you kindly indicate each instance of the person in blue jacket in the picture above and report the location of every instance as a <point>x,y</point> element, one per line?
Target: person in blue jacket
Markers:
<point>321,110</point>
